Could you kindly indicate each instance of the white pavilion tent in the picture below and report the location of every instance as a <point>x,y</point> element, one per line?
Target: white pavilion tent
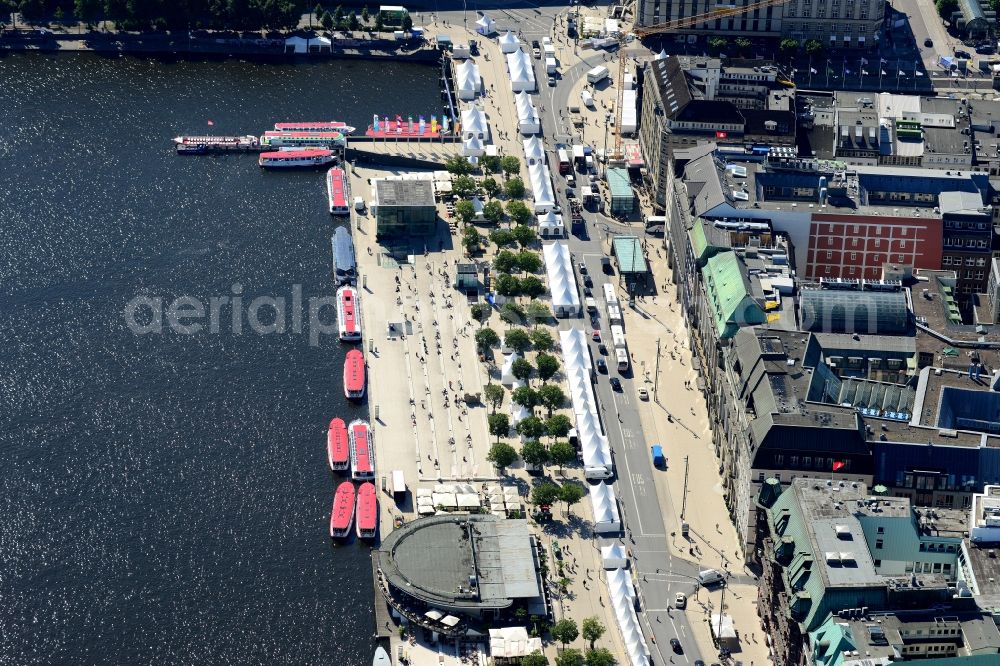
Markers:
<point>629,111</point>
<point>534,151</point>
<point>512,643</point>
<point>472,147</point>
<point>518,412</point>
<point>509,43</point>
<point>507,372</point>
<point>468,80</point>
<point>562,281</point>
<point>486,26</point>
<point>662,55</point>
<point>521,71</point>
<point>300,45</point>
<point>528,121</point>
<point>622,594</point>
<point>541,187</point>
<point>550,225</point>
<point>474,124</point>
<point>606,516</point>
<point>613,557</point>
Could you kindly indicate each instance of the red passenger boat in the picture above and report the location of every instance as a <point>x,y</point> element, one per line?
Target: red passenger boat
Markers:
<point>338,447</point>
<point>362,451</point>
<point>342,515</point>
<point>366,524</point>
<point>348,314</point>
<point>354,375</point>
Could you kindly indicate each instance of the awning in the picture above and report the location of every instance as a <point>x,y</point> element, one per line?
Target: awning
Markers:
<point>434,614</point>
<point>450,621</point>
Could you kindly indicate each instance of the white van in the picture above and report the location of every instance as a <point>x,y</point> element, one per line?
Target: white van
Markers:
<point>588,99</point>
<point>709,577</point>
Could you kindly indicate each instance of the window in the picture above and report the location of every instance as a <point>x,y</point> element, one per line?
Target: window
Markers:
<point>793,461</point>
<point>878,242</point>
<point>779,459</point>
<point>829,255</point>
<point>880,530</point>
<point>854,256</point>
<point>946,261</point>
<point>807,461</point>
<point>878,563</point>
<point>878,543</point>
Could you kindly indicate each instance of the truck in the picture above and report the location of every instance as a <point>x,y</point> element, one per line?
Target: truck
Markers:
<point>551,65</point>
<point>597,74</point>
<point>577,225</point>
<point>621,355</point>
<point>564,164</point>
<point>591,304</point>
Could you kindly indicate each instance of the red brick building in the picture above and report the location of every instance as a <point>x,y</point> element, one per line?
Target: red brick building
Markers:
<point>857,246</point>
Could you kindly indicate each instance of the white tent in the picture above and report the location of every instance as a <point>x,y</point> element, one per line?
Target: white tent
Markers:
<point>606,516</point>
<point>521,71</point>
<point>622,594</point>
<point>541,187</point>
<point>562,281</point>
<point>303,45</point>
<point>486,26</point>
<point>507,372</point>
<point>474,124</point>
<point>662,55</point>
<point>613,557</point>
<point>629,112</point>
<point>534,150</point>
<point>518,412</point>
<point>620,582</point>
<point>551,225</point>
<point>509,43</point>
<point>513,642</point>
<point>527,116</point>
<point>477,207</point>
<point>472,147</point>
<point>468,80</point>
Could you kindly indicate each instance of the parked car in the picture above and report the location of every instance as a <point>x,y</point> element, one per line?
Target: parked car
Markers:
<point>986,49</point>
<point>616,384</point>
<point>588,292</point>
<point>680,601</point>
<point>603,348</point>
<point>587,281</point>
<point>643,394</point>
<point>960,53</point>
<point>928,42</point>
<point>596,335</point>
<point>552,81</point>
<point>602,367</point>
<point>676,645</point>
<point>583,268</point>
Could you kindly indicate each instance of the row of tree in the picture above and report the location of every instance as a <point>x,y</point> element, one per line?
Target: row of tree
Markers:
<point>566,631</point>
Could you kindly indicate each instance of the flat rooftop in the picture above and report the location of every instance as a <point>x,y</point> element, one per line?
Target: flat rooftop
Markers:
<point>396,192</point>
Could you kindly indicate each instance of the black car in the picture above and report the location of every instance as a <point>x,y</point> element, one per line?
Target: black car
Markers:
<point>587,292</point>
<point>570,194</point>
<point>587,281</point>
<point>986,49</point>
<point>616,385</point>
<point>676,645</point>
<point>603,348</point>
<point>959,53</point>
<point>602,367</point>
<point>535,44</point>
<point>928,42</point>
<point>699,662</point>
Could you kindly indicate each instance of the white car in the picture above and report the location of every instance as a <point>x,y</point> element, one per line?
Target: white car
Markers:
<point>680,601</point>
<point>643,394</point>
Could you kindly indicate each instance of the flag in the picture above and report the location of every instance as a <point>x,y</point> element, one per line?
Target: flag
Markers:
<point>883,73</point>
<point>902,73</point>
<point>838,465</point>
<point>720,135</point>
<point>864,72</point>
<point>211,123</point>
<point>864,61</point>
<point>812,70</point>
<point>375,123</point>
<point>410,118</point>
<point>847,71</point>
<point>882,61</point>
<point>422,125</point>
<point>444,123</point>
<point>918,73</point>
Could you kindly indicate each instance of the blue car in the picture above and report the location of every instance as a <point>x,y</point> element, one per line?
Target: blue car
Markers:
<point>659,460</point>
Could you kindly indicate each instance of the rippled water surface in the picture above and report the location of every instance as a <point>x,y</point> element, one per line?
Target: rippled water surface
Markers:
<point>164,499</point>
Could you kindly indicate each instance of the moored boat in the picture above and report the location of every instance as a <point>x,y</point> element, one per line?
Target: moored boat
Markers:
<point>284,159</point>
<point>315,126</point>
<point>337,191</point>
<point>348,314</point>
<point>381,658</point>
<point>362,451</point>
<point>354,375</point>
<point>304,139</point>
<point>366,521</point>
<point>345,269</point>
<point>342,514</point>
<point>338,445</point>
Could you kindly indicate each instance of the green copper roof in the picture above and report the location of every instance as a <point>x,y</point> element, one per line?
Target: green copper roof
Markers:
<point>829,643</point>
<point>729,296</point>
<point>699,242</point>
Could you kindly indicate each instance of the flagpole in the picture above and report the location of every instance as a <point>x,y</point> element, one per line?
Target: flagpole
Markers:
<point>827,72</point>
<point>810,71</point>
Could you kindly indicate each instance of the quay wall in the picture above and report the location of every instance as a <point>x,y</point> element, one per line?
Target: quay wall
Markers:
<point>363,157</point>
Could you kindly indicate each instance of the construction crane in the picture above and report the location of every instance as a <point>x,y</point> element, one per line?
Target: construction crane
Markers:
<point>715,14</point>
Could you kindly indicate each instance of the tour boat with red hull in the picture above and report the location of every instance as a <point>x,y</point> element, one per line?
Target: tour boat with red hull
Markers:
<point>337,191</point>
<point>366,522</point>
<point>288,159</point>
<point>354,375</point>
<point>338,446</point>
<point>362,451</point>
<point>348,314</point>
<point>342,515</point>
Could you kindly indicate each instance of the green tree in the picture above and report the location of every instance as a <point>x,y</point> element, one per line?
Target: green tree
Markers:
<point>533,452</point>
<point>513,314</point>
<point>365,15</point>
<point>499,425</point>
<point>557,426</point>
<point>742,43</point>
<point>813,47</point>
<point>352,22</point>
<point>471,239</point>
<point>379,26</point>
<point>600,657</point>
<point>536,658</point>
<point>543,341</point>
<point>493,211</point>
<point>481,312</point>
<point>517,338</point>
<point>562,453</point>
<point>529,262</point>
<point>507,285</point>
<point>338,15</point>
<point>531,427</point>
<point>458,166</point>
<point>544,493</point>
<point>86,10</point>
<point>501,454</point>
<point>502,238</point>
<point>525,396</point>
<point>326,20</point>
<point>514,188</point>
<point>463,186</point>
<point>493,394</point>
<point>491,187</point>
<point>518,211</point>
<point>58,14</point>
<point>318,11</point>
<point>716,44</point>
<point>552,397</point>
<point>592,630</point>
<point>532,287</point>
<point>522,369</point>
<point>407,22</point>
<point>565,631</point>
<point>571,492</point>
<point>524,234</point>
<point>486,338</point>
<point>490,163</point>
<point>510,164</point>
<point>505,262</point>
<point>789,46</point>
<point>570,657</point>
<point>536,311</point>
<point>946,8</point>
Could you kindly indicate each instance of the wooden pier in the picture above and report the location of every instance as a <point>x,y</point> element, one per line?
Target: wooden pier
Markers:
<point>384,624</point>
